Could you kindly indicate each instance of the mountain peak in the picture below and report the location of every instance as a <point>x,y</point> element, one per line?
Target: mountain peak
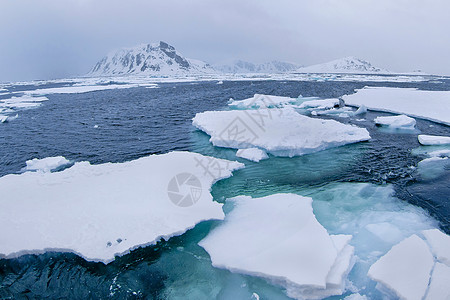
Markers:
<point>149,59</point>
<point>349,64</point>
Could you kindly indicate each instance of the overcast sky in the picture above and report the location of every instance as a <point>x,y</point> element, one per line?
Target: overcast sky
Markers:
<point>43,39</point>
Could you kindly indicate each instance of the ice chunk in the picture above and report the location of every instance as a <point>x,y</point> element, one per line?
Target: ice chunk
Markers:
<point>405,269</point>
<point>396,122</point>
<point>439,286</point>
<point>433,167</point>
<point>302,257</point>
<point>253,154</point>
<point>47,164</point>
<point>356,296</point>
<point>3,118</point>
<point>440,244</point>
<point>428,140</point>
<point>262,101</point>
<point>100,211</point>
<point>281,132</point>
<point>320,104</point>
<point>431,105</point>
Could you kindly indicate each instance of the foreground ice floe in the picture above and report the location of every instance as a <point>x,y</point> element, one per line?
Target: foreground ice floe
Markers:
<point>278,238</point>
<point>396,122</point>
<point>407,269</point>
<point>47,164</point>
<point>431,105</point>
<point>253,154</point>
<point>281,132</point>
<point>100,211</point>
<point>429,140</point>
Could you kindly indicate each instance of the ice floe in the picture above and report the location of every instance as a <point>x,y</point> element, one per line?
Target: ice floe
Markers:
<point>262,101</point>
<point>415,268</point>
<point>396,122</point>
<point>47,164</point>
<point>320,104</point>
<point>22,102</point>
<point>277,237</point>
<point>429,140</point>
<point>439,243</point>
<point>281,132</point>
<point>431,105</point>
<point>405,269</point>
<point>100,211</point>
<point>253,154</point>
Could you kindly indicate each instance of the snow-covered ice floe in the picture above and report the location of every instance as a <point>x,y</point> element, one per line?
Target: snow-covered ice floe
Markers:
<point>401,122</point>
<point>262,101</point>
<point>281,132</point>
<point>253,154</point>
<point>431,105</point>
<point>416,268</point>
<point>22,102</point>
<point>429,140</point>
<point>100,211</point>
<point>278,238</point>
<point>47,164</point>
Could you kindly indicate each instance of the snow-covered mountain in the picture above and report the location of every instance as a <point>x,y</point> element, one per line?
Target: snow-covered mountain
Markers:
<point>149,59</point>
<point>240,66</point>
<point>344,65</point>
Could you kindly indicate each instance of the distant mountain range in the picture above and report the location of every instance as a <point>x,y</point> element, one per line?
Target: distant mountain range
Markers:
<point>240,66</point>
<point>344,65</point>
<point>162,59</point>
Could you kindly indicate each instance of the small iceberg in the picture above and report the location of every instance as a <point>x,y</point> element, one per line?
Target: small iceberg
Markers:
<point>102,211</point>
<point>429,140</point>
<point>253,154</point>
<point>281,132</point>
<point>262,101</point>
<point>400,122</point>
<point>47,164</point>
<point>278,238</point>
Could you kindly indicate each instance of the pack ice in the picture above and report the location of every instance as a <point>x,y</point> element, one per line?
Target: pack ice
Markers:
<point>46,164</point>
<point>278,238</point>
<point>431,105</point>
<point>416,268</point>
<point>281,132</point>
<point>100,211</point>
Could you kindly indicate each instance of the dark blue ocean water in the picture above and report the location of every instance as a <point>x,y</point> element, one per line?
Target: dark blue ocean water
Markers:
<point>136,122</point>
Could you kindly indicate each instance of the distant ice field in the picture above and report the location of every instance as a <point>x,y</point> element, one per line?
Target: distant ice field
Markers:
<point>125,124</point>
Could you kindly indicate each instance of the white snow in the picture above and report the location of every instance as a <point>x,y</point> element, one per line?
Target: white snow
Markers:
<point>278,238</point>
<point>262,101</point>
<point>396,122</point>
<point>439,243</point>
<point>47,164</point>
<point>281,132</point>
<point>100,211</point>
<point>431,105</point>
<point>405,269</point>
<point>428,140</point>
<point>253,154</point>
<point>439,286</point>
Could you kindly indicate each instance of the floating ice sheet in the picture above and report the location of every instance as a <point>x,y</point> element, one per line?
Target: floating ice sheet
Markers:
<point>278,238</point>
<point>432,140</point>
<point>100,211</point>
<point>431,105</point>
<point>75,89</point>
<point>281,132</point>
<point>262,101</point>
